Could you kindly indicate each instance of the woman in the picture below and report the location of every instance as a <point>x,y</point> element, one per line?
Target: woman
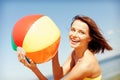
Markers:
<point>82,64</point>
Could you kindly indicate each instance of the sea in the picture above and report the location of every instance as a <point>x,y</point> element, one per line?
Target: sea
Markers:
<point>111,68</point>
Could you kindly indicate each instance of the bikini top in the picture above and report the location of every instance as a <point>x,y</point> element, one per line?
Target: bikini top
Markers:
<point>96,78</point>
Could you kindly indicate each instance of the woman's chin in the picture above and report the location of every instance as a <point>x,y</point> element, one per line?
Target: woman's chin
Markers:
<point>73,46</point>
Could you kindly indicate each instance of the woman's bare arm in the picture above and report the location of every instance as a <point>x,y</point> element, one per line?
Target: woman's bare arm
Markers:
<point>61,71</point>
<point>32,66</point>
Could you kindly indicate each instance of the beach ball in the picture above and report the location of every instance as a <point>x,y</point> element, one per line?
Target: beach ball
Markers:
<point>38,35</point>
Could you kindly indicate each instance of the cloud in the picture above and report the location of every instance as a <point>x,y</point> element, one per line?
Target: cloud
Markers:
<point>110,32</point>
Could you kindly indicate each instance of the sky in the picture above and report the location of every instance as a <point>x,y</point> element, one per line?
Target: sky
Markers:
<point>104,12</point>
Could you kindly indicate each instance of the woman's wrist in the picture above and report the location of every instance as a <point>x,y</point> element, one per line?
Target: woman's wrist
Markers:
<point>39,74</point>
<point>35,68</point>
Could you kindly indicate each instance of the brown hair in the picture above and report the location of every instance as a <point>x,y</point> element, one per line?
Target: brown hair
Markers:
<point>98,42</point>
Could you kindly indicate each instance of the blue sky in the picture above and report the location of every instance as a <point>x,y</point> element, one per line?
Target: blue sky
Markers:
<point>104,12</point>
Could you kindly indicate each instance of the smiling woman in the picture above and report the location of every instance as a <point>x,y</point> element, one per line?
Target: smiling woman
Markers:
<point>79,34</point>
<point>12,10</point>
<point>86,40</point>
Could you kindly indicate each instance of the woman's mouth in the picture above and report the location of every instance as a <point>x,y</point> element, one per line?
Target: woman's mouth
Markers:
<point>73,41</point>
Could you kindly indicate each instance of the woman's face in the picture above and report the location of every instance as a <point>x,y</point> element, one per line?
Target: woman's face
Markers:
<point>79,34</point>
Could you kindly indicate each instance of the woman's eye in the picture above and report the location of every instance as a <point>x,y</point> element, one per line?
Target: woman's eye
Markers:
<point>72,29</point>
<point>81,32</point>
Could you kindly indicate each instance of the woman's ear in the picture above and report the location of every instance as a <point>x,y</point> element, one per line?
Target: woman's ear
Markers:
<point>90,39</point>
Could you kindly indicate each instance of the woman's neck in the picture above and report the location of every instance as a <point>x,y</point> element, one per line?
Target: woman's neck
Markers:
<point>79,52</point>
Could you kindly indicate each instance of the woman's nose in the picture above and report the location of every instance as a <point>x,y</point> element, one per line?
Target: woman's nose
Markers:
<point>75,34</point>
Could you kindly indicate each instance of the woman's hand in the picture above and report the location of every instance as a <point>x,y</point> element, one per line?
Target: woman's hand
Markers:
<point>29,63</point>
<point>22,59</point>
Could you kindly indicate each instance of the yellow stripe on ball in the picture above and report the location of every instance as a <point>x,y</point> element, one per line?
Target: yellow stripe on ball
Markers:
<point>42,34</point>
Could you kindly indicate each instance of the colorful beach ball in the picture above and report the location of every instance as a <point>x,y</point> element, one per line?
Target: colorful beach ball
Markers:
<point>38,35</point>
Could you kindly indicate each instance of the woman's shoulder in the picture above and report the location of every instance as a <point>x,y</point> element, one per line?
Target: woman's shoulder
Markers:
<point>91,63</point>
<point>89,57</point>
<point>88,61</point>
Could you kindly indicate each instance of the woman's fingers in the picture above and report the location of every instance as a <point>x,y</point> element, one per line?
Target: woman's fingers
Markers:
<point>22,59</point>
<point>30,64</point>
